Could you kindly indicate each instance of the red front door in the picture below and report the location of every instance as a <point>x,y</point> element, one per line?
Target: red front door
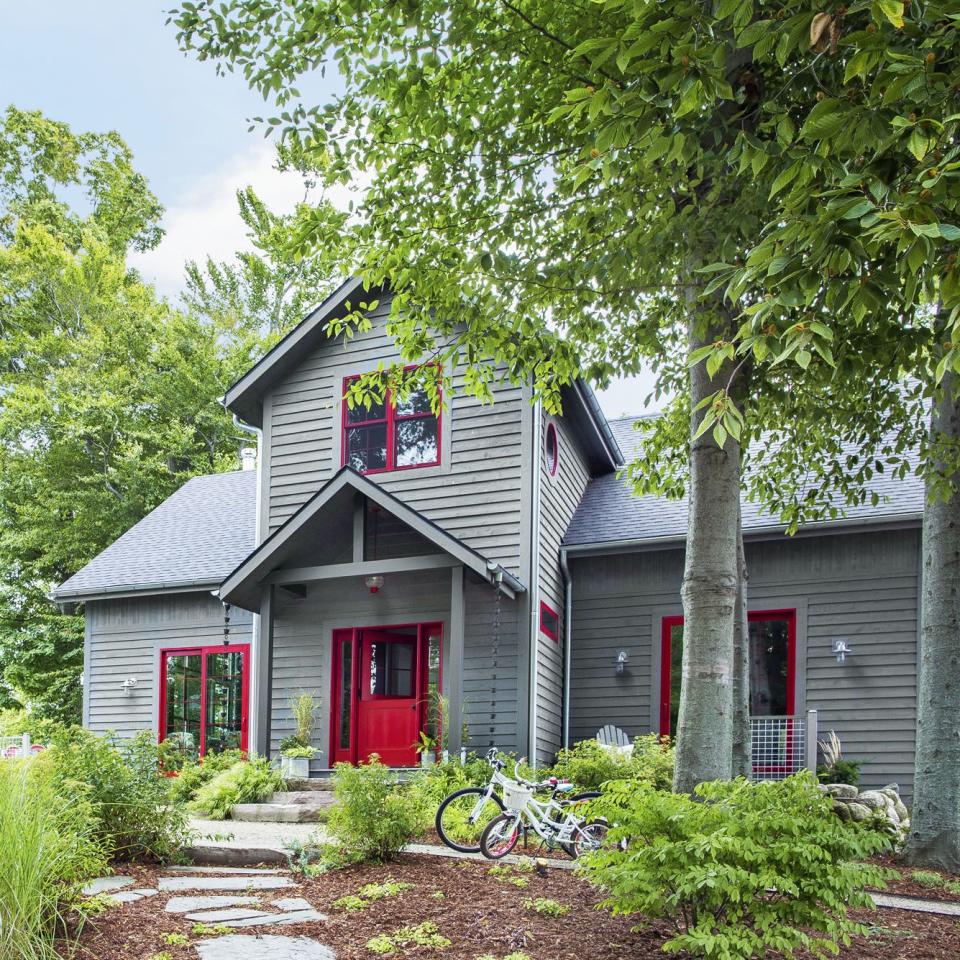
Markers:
<point>385,678</point>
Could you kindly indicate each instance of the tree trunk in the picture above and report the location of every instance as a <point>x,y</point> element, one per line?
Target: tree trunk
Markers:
<point>709,592</point>
<point>935,824</point>
<point>742,763</point>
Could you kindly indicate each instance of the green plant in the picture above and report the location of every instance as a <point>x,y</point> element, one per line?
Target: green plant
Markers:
<point>507,874</point>
<point>176,940</point>
<point>952,886</point>
<point>425,745</point>
<point>589,764</point>
<point>163,955</point>
<point>386,888</point>
<point>203,930</point>
<point>653,760</point>
<point>516,955</point>
<point>95,906</point>
<point>298,752</point>
<point>438,895</point>
<point>302,857</point>
<point>707,864</point>
<point>927,878</point>
<point>193,774</point>
<point>371,819</point>
<point>250,781</point>
<point>127,792</point>
<point>424,934</point>
<point>546,906</point>
<point>48,847</point>
<point>350,902</point>
<point>835,768</point>
<point>302,708</point>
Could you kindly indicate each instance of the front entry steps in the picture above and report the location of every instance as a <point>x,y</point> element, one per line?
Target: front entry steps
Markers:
<point>299,806</point>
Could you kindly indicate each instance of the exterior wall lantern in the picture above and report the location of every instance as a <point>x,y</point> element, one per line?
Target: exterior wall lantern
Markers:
<point>841,647</point>
<point>620,664</point>
<point>128,686</point>
<point>374,583</point>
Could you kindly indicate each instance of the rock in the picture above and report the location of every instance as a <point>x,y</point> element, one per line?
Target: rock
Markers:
<point>901,809</point>
<point>276,919</point>
<point>106,885</point>
<point>242,883</point>
<point>841,791</point>
<point>222,916</point>
<point>190,904</point>
<point>131,896</point>
<point>292,903</point>
<point>278,812</point>
<point>841,809</point>
<point>873,799</point>
<point>859,812</point>
<point>237,947</point>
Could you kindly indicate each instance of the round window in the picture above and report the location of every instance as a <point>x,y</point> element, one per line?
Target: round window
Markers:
<point>552,449</point>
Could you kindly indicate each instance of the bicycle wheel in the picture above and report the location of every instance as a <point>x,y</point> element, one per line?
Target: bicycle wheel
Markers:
<point>589,836</point>
<point>463,815</point>
<point>500,836</point>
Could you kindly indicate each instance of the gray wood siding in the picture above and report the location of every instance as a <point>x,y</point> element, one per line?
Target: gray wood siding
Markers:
<point>303,645</point>
<point>125,638</point>
<point>559,498</point>
<point>862,586</point>
<point>474,494</point>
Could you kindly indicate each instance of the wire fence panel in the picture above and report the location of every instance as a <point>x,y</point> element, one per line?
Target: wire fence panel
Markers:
<point>778,746</point>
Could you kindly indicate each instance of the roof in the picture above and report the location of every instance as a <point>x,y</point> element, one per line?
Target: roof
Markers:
<point>609,512</point>
<point>193,539</point>
<point>242,585</point>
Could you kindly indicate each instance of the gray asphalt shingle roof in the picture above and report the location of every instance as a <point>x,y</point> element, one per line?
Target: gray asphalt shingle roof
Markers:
<point>194,538</point>
<point>609,512</point>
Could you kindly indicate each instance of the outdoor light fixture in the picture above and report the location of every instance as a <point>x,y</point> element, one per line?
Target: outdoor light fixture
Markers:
<point>374,583</point>
<point>841,648</point>
<point>128,686</point>
<point>621,662</point>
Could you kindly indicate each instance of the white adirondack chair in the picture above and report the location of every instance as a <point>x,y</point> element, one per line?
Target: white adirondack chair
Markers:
<point>613,738</point>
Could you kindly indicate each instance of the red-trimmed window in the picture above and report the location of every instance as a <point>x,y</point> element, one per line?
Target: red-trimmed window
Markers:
<point>549,622</point>
<point>204,697</point>
<point>551,449</point>
<point>773,663</point>
<point>390,435</point>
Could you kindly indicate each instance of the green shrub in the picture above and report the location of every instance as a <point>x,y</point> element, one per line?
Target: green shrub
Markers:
<point>194,774</point>
<point>708,863</point>
<point>841,771</point>
<point>15,723</point>
<point>127,792</point>
<point>546,906</point>
<point>589,764</point>
<point>927,878</point>
<point>422,935</point>
<point>48,849</point>
<point>372,819</point>
<point>653,760</point>
<point>249,781</point>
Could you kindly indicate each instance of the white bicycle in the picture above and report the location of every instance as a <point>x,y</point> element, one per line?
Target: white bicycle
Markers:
<point>558,822</point>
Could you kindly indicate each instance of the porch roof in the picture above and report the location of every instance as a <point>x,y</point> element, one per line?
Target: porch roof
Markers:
<point>243,586</point>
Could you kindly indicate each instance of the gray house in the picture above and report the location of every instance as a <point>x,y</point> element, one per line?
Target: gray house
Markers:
<point>491,554</point>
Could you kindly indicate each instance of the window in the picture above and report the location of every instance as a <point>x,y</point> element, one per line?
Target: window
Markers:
<point>772,666</point>
<point>549,622</point>
<point>390,436</point>
<point>552,449</point>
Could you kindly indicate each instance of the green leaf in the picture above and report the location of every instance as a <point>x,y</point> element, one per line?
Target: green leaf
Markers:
<point>892,10</point>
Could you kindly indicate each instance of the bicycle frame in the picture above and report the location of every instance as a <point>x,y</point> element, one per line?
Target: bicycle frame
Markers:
<point>536,814</point>
<point>496,779</point>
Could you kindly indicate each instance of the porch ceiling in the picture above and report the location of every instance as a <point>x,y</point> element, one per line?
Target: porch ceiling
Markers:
<point>324,539</point>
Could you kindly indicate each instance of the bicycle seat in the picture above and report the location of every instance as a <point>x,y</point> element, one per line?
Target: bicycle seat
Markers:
<point>563,787</point>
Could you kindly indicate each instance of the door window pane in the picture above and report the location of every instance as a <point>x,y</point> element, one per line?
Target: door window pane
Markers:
<point>224,715</point>
<point>392,668</point>
<point>346,691</point>
<point>367,447</point>
<point>432,726</point>
<point>769,668</point>
<point>416,441</point>
<point>183,702</point>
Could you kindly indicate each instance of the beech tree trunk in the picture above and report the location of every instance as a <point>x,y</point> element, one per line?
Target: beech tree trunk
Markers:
<point>709,593</point>
<point>742,762</point>
<point>935,822</point>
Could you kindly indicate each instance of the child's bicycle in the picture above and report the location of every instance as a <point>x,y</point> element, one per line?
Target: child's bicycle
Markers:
<point>558,823</point>
<point>462,816</point>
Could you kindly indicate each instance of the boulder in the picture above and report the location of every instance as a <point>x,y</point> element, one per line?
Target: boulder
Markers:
<point>858,811</point>
<point>841,809</point>
<point>842,791</point>
<point>902,812</point>
<point>873,799</point>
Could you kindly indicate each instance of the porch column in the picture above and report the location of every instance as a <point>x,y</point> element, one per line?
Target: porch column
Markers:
<point>453,674</point>
<point>260,708</point>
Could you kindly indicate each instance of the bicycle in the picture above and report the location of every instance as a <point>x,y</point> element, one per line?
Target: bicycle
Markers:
<point>552,820</point>
<point>462,816</point>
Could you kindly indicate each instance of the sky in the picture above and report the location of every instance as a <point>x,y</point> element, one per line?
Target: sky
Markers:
<point>110,65</point>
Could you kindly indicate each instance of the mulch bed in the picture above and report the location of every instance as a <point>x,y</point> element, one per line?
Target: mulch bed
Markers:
<point>904,885</point>
<point>480,914</point>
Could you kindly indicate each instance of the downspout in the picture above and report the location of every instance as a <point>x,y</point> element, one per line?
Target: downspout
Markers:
<point>567,642</point>
<point>535,576</point>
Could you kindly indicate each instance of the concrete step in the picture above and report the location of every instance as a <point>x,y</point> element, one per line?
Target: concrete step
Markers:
<point>300,806</point>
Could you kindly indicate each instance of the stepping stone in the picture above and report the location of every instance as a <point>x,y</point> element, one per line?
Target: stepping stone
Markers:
<point>944,908</point>
<point>243,871</point>
<point>238,947</point>
<point>276,919</point>
<point>131,896</point>
<point>221,916</point>
<point>292,903</point>
<point>241,883</point>
<point>106,885</point>
<point>187,904</point>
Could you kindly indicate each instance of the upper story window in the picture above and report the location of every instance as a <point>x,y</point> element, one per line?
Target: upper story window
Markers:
<point>390,435</point>
<point>551,449</point>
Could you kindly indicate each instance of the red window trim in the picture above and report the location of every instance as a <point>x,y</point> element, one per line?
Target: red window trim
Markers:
<point>554,635</point>
<point>352,634</point>
<point>390,418</point>
<point>552,432</point>
<point>167,652</point>
<point>666,625</point>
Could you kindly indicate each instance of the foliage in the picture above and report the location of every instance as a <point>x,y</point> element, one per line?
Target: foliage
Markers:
<point>371,892</point>
<point>303,857</point>
<point>205,930</point>
<point>707,863</point>
<point>927,878</point>
<point>15,722</point>
<point>193,774</point>
<point>546,906</point>
<point>589,764</point>
<point>297,752</point>
<point>431,785</point>
<point>249,781</point>
<point>424,934</point>
<point>124,790</point>
<point>372,819</point>
<point>48,848</point>
<point>176,940</point>
<point>835,767</point>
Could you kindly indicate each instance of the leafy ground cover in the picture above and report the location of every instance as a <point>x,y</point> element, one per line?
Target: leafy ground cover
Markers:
<point>477,914</point>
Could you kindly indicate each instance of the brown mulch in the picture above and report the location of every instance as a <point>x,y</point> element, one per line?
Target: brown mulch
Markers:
<point>479,913</point>
<point>904,885</point>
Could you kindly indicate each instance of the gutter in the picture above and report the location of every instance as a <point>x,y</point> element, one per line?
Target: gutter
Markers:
<point>600,423</point>
<point>157,586</point>
<point>535,577</point>
<point>568,642</point>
